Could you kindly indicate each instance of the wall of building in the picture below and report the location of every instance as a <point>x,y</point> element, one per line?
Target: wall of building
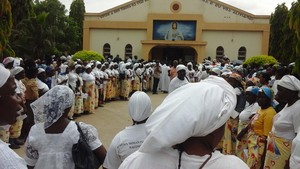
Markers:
<point>117,39</point>
<point>218,24</point>
<point>231,41</point>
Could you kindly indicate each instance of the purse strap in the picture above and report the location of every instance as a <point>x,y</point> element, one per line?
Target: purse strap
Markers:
<point>80,131</point>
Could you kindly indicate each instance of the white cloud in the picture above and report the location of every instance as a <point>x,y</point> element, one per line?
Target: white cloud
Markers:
<point>257,7</point>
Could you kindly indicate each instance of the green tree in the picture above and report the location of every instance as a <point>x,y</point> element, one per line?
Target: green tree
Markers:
<point>55,22</point>
<point>294,24</point>
<point>280,34</point>
<point>5,29</point>
<point>22,10</point>
<point>35,42</point>
<point>77,10</point>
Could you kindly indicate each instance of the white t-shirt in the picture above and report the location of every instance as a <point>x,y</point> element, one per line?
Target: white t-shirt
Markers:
<point>54,151</point>
<point>169,159</point>
<point>176,83</point>
<point>9,159</point>
<point>248,111</point>
<point>287,122</point>
<point>72,79</point>
<point>88,77</point>
<point>42,86</point>
<point>124,143</point>
<point>295,154</point>
<point>61,78</point>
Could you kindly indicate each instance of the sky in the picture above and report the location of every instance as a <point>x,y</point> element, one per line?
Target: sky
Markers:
<point>257,7</point>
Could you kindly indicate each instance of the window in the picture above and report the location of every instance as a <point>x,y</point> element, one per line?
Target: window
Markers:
<point>219,52</point>
<point>106,50</point>
<point>242,53</point>
<point>128,50</point>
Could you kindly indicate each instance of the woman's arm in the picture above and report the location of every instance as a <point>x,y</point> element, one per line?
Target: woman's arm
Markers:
<point>100,153</point>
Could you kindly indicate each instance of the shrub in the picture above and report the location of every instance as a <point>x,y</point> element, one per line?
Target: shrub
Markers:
<point>87,55</point>
<point>261,60</point>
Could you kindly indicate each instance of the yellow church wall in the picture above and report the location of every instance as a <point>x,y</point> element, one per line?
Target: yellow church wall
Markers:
<point>231,41</point>
<point>117,39</point>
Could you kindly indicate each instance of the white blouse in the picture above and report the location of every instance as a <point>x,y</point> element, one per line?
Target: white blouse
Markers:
<point>286,123</point>
<point>88,77</point>
<point>248,111</point>
<point>9,159</point>
<point>54,151</point>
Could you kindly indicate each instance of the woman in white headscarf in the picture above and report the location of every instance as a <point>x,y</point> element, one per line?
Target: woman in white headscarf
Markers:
<point>184,130</point>
<point>131,138</point>
<point>63,78</point>
<point>15,129</point>
<point>10,109</point>
<point>180,79</point>
<point>89,82</point>
<point>50,141</point>
<point>285,124</point>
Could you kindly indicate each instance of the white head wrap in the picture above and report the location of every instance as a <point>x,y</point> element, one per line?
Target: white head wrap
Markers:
<point>216,70</point>
<point>189,111</point>
<point>17,62</point>
<point>77,66</point>
<point>4,75</point>
<point>290,82</point>
<point>139,106</point>
<point>16,70</point>
<point>98,63</point>
<point>88,66</point>
<point>51,106</point>
<point>180,67</point>
<point>191,64</point>
<point>8,60</point>
<point>40,70</point>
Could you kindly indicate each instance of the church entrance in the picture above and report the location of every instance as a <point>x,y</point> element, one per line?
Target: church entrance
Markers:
<point>169,53</point>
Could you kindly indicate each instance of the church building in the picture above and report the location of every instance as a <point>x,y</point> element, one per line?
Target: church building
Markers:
<point>190,30</point>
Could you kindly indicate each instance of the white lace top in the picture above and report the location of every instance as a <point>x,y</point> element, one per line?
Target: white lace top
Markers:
<point>54,151</point>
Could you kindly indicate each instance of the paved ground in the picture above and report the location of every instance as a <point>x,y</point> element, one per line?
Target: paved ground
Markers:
<point>111,119</point>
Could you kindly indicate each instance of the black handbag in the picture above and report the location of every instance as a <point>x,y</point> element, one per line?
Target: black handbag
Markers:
<point>83,156</point>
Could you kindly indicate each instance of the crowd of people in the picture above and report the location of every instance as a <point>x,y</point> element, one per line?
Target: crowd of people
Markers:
<point>216,114</point>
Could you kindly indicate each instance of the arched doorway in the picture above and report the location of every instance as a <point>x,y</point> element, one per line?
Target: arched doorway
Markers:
<point>170,53</point>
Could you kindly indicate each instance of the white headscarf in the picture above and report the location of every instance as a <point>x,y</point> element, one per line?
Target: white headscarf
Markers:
<point>217,71</point>
<point>139,106</point>
<point>40,70</point>
<point>4,75</point>
<point>193,110</point>
<point>8,60</point>
<point>290,82</point>
<point>16,70</point>
<point>180,67</point>
<point>51,106</point>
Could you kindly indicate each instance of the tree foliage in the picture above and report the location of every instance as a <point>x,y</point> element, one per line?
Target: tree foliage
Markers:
<point>44,29</point>
<point>77,11</point>
<point>281,37</point>
<point>294,24</point>
<point>5,29</point>
<point>86,55</point>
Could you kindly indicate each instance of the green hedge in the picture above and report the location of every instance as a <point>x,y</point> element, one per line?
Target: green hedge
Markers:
<point>261,60</point>
<point>87,55</point>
